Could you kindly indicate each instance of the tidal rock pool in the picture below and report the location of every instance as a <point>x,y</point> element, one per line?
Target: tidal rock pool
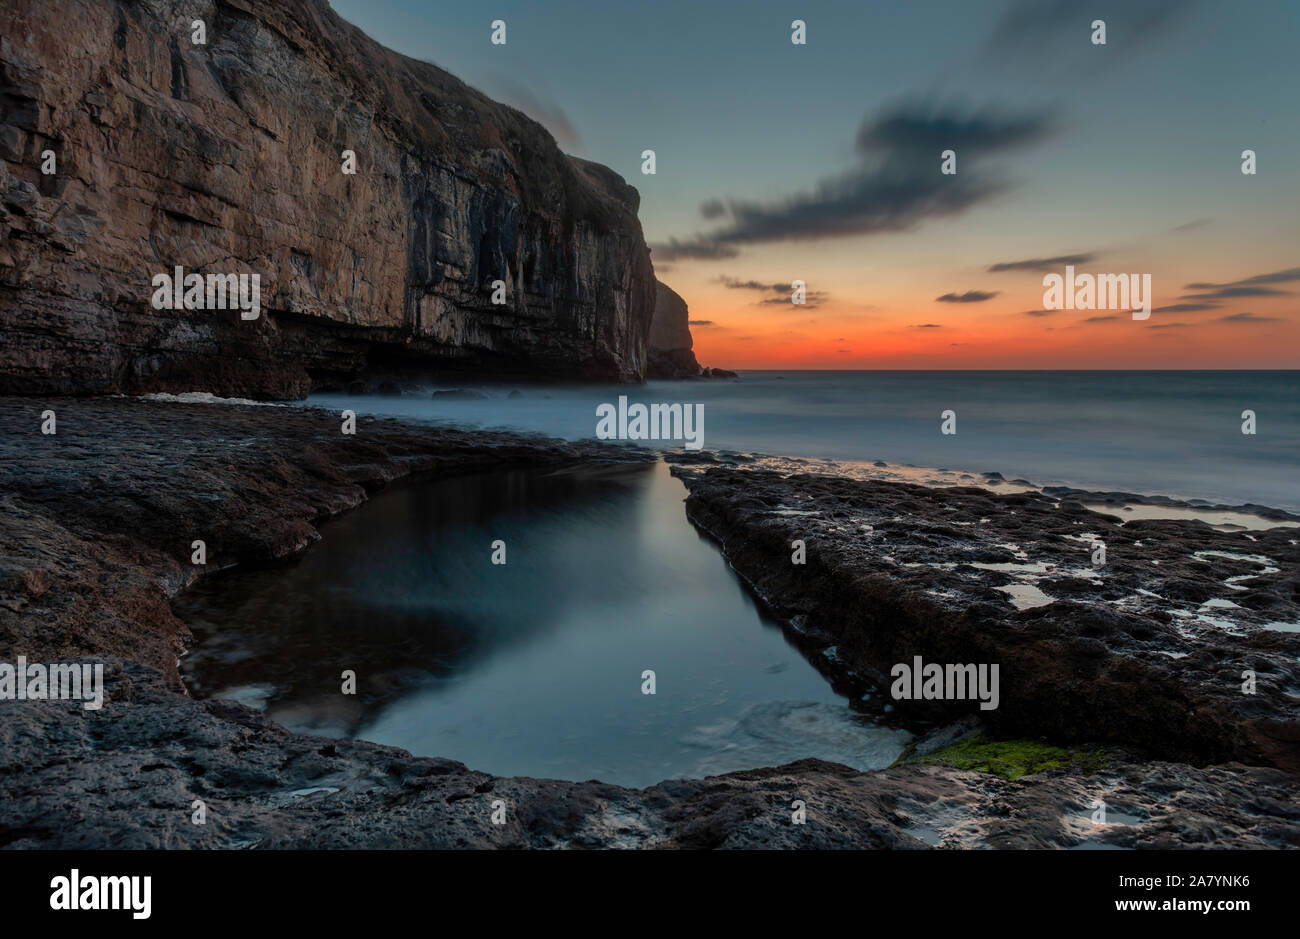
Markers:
<point>533,667</point>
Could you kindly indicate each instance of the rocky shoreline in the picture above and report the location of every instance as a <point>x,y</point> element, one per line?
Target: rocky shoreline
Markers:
<point>1148,649</point>
<point>99,521</point>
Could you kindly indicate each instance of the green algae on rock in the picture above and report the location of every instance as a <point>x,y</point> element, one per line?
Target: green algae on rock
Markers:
<point>1012,759</point>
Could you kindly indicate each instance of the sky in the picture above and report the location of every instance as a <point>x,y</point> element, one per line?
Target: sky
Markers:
<point>822,162</point>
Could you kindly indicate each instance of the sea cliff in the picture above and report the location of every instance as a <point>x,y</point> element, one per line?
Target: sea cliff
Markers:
<point>228,157</point>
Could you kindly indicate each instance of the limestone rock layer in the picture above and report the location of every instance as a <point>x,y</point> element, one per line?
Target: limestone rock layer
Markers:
<point>226,157</point>
<point>670,341</point>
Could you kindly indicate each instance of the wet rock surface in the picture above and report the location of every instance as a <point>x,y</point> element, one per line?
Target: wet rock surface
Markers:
<point>128,777</point>
<point>1148,649</point>
<point>97,528</point>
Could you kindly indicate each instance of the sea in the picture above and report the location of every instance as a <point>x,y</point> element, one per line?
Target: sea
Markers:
<point>1177,434</point>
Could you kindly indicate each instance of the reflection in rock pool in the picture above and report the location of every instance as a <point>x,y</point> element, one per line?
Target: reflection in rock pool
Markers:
<point>533,667</point>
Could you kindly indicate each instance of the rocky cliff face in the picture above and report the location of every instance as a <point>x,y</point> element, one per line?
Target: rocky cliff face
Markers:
<point>670,337</point>
<point>226,158</point>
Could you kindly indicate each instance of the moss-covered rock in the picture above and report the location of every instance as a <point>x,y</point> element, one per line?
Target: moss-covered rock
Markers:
<point>1011,759</point>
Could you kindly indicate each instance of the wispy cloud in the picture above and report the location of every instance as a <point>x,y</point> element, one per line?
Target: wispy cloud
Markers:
<point>1250,318</point>
<point>896,185</point>
<point>1228,293</point>
<point>1041,264</point>
<point>1208,292</point>
<point>735,284</point>
<point>1275,277</point>
<point>696,249</point>
<point>1053,35</point>
<point>1185,308</point>
<point>970,296</point>
<point>812,298</point>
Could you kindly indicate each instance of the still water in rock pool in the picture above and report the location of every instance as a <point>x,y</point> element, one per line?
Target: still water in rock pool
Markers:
<point>534,667</point>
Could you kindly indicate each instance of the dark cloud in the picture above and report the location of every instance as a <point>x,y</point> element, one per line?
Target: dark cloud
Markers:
<point>927,326</point>
<point>712,208</point>
<point>1056,35</point>
<point>813,298</point>
<point>736,284</point>
<point>1041,264</point>
<point>696,249</point>
<point>890,199</point>
<point>970,296</point>
<point>1168,326</point>
<point>1041,312</point>
<point>1249,318</point>
<point>1276,277</point>
<point>892,189</point>
<point>1227,293</point>
<point>912,130</point>
<point>1185,308</point>
<point>1195,223</point>
<point>1100,319</point>
<point>699,322</point>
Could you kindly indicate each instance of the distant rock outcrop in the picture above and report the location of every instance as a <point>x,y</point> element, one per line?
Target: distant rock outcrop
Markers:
<point>670,344</point>
<point>227,157</point>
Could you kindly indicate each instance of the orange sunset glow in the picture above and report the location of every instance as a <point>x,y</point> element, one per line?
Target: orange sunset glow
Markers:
<point>892,319</point>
